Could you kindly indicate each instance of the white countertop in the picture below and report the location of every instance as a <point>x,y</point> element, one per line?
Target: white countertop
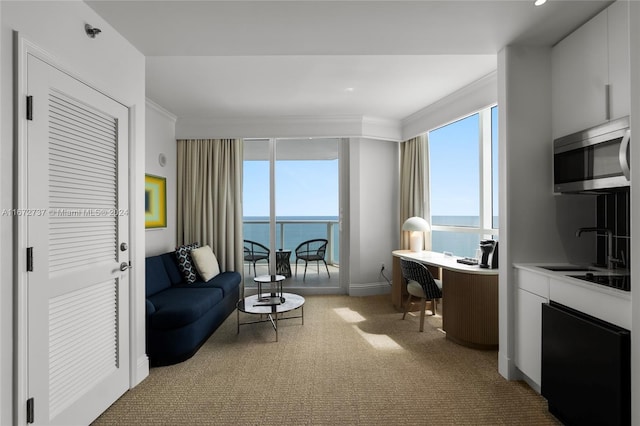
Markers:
<point>565,275</point>
<point>441,261</point>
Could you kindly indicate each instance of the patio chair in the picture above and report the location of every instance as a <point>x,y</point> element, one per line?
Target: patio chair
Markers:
<point>254,252</point>
<point>309,251</point>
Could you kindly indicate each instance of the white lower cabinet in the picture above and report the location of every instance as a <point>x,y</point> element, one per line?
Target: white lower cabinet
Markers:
<point>532,291</point>
<point>534,288</point>
<point>529,333</point>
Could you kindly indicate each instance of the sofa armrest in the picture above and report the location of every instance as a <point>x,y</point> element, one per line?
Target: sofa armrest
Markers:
<point>150,308</point>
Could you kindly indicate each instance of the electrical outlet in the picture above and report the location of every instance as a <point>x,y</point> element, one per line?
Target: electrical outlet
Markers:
<point>381,267</point>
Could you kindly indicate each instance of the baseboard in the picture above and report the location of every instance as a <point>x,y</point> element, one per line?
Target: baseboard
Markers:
<point>507,367</point>
<point>369,289</point>
<point>141,371</point>
<point>533,385</point>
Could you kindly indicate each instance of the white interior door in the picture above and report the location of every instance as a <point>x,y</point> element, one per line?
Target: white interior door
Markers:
<point>78,305</point>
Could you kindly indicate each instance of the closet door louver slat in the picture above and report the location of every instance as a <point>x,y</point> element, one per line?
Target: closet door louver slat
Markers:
<point>82,184</point>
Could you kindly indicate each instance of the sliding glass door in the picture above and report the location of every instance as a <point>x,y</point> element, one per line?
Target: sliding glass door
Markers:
<point>302,205</point>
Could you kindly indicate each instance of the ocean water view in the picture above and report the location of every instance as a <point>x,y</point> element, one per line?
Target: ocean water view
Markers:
<point>292,230</point>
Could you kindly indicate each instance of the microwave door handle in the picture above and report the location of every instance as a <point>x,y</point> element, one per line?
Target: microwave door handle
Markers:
<point>622,155</point>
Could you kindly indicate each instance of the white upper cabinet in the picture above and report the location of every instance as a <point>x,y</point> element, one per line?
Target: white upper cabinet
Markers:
<point>619,73</point>
<point>590,73</point>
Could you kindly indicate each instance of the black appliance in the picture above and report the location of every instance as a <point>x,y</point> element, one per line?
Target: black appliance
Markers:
<point>489,250</point>
<point>593,159</point>
<point>586,368</point>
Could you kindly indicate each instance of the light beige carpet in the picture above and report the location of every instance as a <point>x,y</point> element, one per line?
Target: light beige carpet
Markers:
<point>353,362</point>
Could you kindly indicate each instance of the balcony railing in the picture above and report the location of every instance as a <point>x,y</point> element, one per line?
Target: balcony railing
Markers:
<point>291,232</point>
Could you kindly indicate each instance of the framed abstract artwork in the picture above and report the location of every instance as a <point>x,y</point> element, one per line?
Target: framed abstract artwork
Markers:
<point>155,202</point>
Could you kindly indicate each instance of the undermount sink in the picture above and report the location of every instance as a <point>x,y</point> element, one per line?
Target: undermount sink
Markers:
<point>568,268</point>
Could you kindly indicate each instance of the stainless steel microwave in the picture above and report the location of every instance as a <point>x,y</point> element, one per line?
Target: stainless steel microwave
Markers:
<point>593,159</point>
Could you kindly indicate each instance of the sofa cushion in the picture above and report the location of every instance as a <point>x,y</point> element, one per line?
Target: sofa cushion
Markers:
<point>226,281</point>
<point>177,307</point>
<point>205,262</point>
<point>156,277</point>
<point>171,266</point>
<point>185,263</point>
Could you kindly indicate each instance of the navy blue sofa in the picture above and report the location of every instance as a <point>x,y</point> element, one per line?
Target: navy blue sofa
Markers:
<point>181,316</point>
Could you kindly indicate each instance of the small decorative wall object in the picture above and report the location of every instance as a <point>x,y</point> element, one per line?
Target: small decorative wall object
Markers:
<point>155,202</point>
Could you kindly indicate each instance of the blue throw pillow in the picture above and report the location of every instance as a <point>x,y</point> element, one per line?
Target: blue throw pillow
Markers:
<point>185,263</point>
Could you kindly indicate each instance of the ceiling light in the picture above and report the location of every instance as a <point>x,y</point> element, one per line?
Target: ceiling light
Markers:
<point>539,2</point>
<point>349,89</point>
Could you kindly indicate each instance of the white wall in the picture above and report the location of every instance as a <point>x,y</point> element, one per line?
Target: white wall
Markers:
<point>110,64</point>
<point>535,225</point>
<point>374,210</point>
<point>161,139</point>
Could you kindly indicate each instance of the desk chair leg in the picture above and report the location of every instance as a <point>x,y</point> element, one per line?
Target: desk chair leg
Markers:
<point>406,306</point>
<point>422,309</point>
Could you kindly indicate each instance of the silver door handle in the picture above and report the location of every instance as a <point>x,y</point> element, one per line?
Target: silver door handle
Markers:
<point>124,266</point>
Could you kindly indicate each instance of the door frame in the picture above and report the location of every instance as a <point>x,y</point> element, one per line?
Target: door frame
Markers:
<point>23,48</point>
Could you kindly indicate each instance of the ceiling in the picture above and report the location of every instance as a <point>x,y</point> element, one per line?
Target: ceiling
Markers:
<point>383,59</point>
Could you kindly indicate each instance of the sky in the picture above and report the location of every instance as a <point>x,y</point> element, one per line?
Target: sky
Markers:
<point>303,188</point>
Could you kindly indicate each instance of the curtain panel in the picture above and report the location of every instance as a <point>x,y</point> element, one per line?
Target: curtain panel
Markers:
<point>414,181</point>
<point>210,197</point>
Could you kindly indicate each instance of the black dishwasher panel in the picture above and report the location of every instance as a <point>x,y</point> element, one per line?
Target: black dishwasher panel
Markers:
<point>586,368</point>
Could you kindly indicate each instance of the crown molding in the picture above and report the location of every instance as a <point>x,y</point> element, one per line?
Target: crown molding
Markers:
<point>467,100</point>
<point>288,127</point>
<point>382,128</point>
<point>150,104</point>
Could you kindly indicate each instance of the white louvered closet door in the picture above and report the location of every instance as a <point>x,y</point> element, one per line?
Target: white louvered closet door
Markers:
<point>78,304</point>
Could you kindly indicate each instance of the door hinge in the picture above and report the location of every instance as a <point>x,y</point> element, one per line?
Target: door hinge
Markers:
<point>29,259</point>
<point>30,108</point>
<point>30,411</point>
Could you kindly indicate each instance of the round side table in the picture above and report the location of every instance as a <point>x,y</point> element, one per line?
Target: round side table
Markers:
<point>270,280</point>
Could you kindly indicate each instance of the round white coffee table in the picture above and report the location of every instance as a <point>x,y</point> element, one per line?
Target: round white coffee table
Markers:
<point>272,307</point>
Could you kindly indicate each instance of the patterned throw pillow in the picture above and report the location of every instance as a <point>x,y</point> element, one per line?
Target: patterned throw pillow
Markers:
<point>185,263</point>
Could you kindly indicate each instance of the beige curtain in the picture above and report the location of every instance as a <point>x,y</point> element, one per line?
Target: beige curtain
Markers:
<point>210,197</point>
<point>414,181</point>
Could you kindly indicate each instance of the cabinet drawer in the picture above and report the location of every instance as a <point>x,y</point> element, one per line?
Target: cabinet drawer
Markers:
<point>533,283</point>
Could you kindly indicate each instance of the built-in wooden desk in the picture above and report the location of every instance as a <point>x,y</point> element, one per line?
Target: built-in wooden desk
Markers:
<point>469,297</point>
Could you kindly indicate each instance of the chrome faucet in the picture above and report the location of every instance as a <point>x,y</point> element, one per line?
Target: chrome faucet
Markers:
<point>611,261</point>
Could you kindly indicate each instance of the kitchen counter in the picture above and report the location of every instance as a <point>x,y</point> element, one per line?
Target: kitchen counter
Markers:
<point>566,276</point>
<point>536,286</point>
<point>607,303</point>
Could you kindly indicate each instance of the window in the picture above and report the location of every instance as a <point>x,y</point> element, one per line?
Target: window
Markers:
<point>463,166</point>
